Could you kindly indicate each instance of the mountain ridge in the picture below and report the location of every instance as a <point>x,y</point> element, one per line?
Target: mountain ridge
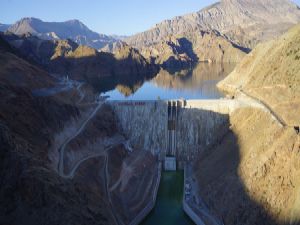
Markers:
<point>70,29</point>
<point>220,16</point>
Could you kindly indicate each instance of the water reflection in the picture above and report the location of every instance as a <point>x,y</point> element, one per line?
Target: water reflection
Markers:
<point>195,83</point>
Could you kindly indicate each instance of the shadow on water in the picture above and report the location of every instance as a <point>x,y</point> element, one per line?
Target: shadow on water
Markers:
<point>168,207</point>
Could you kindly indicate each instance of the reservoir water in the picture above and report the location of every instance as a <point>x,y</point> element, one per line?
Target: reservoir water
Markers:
<point>168,208</point>
<point>198,82</point>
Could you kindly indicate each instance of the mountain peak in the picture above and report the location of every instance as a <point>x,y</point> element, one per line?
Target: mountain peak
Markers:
<point>71,29</point>
<point>29,19</point>
<point>75,22</point>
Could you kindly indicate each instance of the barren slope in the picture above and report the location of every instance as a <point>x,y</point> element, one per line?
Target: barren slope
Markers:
<point>271,72</point>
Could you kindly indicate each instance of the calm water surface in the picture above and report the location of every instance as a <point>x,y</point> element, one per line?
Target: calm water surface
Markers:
<point>168,208</point>
<point>195,83</point>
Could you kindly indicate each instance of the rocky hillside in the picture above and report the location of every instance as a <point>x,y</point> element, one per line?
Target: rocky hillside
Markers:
<point>238,24</point>
<point>72,29</point>
<point>271,73</point>
<point>80,62</point>
<point>17,71</point>
<point>31,191</point>
<point>187,48</point>
<point>41,181</point>
<point>233,18</point>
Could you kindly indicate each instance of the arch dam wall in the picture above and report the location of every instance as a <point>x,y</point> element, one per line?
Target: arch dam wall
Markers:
<point>176,127</point>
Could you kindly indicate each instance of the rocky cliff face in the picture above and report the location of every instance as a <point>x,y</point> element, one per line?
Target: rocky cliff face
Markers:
<point>72,29</point>
<point>240,24</point>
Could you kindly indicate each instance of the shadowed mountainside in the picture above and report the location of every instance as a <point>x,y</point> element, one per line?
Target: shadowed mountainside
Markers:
<point>251,175</point>
<point>31,129</point>
<point>31,191</point>
<point>79,62</point>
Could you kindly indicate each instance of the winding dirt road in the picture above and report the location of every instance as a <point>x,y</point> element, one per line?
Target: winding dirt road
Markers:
<point>61,149</point>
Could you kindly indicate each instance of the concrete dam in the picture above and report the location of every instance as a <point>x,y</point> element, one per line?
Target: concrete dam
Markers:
<point>176,131</point>
<point>176,128</point>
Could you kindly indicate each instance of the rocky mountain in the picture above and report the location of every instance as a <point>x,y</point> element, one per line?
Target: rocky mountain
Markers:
<point>4,27</point>
<point>114,46</point>
<point>65,57</point>
<point>72,29</point>
<point>241,23</point>
<point>271,73</point>
<point>186,49</point>
<point>231,18</point>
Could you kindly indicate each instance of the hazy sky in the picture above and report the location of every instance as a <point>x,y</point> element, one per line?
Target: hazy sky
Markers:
<point>103,16</point>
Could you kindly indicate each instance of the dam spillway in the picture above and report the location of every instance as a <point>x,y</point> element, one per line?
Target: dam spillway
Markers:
<point>177,128</point>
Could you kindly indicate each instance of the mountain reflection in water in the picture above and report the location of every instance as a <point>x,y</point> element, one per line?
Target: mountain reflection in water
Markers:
<point>198,82</point>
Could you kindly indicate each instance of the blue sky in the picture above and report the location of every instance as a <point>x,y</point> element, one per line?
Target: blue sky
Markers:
<point>104,16</point>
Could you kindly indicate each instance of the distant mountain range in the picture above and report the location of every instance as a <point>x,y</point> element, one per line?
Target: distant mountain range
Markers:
<point>4,27</point>
<point>71,29</point>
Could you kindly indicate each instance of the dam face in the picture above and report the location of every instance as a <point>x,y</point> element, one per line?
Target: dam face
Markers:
<point>178,129</point>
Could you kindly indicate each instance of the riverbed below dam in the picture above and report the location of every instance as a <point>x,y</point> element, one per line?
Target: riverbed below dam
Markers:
<point>168,207</point>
